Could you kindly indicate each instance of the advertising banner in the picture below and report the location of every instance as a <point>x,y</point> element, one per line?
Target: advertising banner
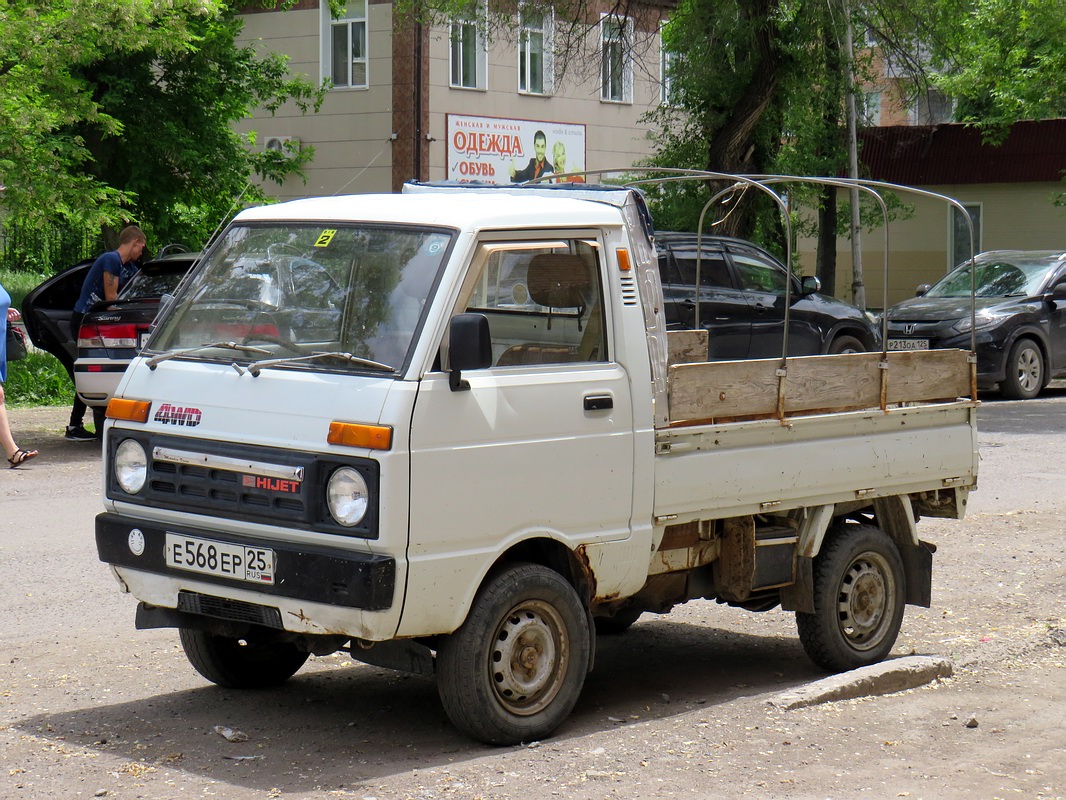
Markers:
<point>497,150</point>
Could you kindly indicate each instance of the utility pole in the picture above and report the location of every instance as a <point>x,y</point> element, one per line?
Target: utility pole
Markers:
<point>858,288</point>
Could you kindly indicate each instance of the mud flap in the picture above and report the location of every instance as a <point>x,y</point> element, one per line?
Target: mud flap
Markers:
<point>918,569</point>
<point>800,595</point>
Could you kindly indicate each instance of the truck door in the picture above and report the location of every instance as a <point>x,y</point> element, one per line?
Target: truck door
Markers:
<point>541,444</point>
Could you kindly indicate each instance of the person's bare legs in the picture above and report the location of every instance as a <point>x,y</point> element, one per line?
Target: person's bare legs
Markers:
<point>7,441</point>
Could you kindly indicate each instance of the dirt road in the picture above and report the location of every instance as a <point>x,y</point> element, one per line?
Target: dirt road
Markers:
<point>676,707</point>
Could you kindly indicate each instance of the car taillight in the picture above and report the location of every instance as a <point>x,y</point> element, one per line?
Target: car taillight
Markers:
<point>110,335</point>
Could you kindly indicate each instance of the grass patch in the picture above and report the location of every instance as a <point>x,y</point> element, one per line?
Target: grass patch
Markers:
<point>20,283</point>
<point>37,380</point>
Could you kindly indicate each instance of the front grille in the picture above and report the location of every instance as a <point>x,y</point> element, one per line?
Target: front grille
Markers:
<point>232,610</point>
<point>216,489</point>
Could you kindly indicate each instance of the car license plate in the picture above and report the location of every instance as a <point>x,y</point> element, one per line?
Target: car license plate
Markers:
<point>141,339</point>
<point>908,344</point>
<point>253,564</point>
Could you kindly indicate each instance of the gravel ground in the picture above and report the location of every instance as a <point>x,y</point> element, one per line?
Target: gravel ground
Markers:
<point>676,707</point>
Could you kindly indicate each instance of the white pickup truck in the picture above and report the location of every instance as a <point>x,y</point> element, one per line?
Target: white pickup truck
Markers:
<point>446,431</point>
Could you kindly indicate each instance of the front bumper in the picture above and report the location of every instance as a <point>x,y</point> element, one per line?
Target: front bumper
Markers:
<point>318,574</point>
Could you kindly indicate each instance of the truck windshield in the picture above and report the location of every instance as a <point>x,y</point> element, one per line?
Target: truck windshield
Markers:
<point>296,290</point>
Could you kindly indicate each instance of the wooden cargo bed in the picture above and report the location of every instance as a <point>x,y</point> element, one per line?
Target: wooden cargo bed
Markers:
<point>702,392</point>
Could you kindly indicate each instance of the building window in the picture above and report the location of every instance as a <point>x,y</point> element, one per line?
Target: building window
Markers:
<point>870,113</point>
<point>668,60</point>
<point>469,51</point>
<point>346,41</point>
<point>616,65</point>
<point>932,107</point>
<point>535,50</point>
<point>959,234</point>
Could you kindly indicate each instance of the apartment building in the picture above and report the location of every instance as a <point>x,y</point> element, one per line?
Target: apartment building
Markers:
<point>460,99</point>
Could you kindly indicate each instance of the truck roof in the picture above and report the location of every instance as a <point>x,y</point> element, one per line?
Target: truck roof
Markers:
<point>460,209</point>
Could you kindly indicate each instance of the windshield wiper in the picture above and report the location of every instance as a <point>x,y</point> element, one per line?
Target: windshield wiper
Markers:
<point>154,361</point>
<point>256,367</point>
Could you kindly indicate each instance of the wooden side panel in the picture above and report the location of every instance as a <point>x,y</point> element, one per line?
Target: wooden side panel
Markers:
<point>687,347</point>
<point>848,381</point>
<point>928,375</point>
<point>724,390</point>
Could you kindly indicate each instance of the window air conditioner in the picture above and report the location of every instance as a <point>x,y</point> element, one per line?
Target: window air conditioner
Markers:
<point>277,143</point>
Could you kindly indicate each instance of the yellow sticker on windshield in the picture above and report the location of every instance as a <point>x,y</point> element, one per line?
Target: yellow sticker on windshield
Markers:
<point>325,238</point>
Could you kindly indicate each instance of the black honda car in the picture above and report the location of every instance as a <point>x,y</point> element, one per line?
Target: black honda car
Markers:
<point>742,301</point>
<point>1018,319</point>
<point>111,333</point>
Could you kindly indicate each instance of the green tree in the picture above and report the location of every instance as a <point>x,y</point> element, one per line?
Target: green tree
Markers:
<point>1001,60</point>
<point>118,110</point>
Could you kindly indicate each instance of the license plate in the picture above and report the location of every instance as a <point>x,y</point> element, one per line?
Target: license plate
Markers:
<point>253,564</point>
<point>908,344</point>
<point>141,339</point>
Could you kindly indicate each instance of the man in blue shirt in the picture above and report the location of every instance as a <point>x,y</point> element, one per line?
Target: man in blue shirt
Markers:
<point>106,277</point>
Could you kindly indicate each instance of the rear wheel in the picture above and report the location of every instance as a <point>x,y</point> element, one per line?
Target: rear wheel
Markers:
<point>241,663</point>
<point>846,344</point>
<point>513,672</point>
<point>1025,371</point>
<point>858,599</point>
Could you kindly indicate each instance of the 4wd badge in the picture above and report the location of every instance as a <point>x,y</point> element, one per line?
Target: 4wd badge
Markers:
<point>186,416</point>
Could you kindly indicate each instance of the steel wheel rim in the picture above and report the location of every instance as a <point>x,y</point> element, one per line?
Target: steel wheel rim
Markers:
<point>1029,369</point>
<point>529,657</point>
<point>865,600</point>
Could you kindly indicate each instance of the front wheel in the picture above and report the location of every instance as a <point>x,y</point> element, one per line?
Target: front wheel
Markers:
<point>859,595</point>
<point>513,672</point>
<point>245,663</point>
<point>1025,371</point>
<point>846,344</point>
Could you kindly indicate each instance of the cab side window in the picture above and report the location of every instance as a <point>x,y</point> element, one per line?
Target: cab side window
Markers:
<point>543,301</point>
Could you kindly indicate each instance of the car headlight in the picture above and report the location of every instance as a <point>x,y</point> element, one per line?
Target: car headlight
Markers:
<point>347,496</point>
<point>131,466</point>
<point>982,321</point>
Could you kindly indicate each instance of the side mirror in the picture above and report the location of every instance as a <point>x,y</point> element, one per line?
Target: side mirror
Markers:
<point>1058,292</point>
<point>810,284</point>
<point>469,347</point>
<point>922,289</point>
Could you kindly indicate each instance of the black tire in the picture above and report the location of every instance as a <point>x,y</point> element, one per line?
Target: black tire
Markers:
<point>514,670</point>
<point>619,623</point>
<point>241,663</point>
<point>859,594</point>
<point>846,344</point>
<point>1026,374</point>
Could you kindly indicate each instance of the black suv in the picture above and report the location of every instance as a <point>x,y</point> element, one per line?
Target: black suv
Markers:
<point>1019,319</point>
<point>742,301</point>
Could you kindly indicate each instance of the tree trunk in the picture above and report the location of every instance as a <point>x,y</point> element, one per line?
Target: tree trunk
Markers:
<point>733,148</point>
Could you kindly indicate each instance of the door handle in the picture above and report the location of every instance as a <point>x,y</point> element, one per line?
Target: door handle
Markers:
<point>598,402</point>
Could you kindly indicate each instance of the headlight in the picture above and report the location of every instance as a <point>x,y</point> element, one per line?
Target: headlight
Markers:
<point>982,321</point>
<point>347,496</point>
<point>131,466</point>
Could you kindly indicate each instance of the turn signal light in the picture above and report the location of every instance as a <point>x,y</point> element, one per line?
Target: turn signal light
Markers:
<point>352,434</point>
<point>130,410</point>
<point>624,263</point>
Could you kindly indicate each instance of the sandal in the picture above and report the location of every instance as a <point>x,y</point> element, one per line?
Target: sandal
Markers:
<point>21,457</point>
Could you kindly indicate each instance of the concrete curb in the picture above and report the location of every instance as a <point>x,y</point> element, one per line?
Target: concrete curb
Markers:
<point>884,678</point>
